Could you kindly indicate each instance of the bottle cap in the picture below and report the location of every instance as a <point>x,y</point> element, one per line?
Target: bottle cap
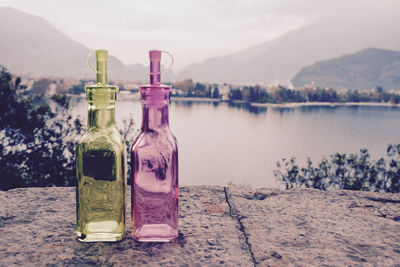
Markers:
<point>155,66</point>
<point>101,65</point>
<point>101,55</point>
<point>102,88</point>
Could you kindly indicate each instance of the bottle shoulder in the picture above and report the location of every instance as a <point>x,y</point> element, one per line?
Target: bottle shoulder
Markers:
<point>102,139</point>
<point>161,139</point>
<point>95,133</point>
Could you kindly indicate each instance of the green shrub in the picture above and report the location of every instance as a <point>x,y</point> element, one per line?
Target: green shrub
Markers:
<point>37,144</point>
<point>344,171</point>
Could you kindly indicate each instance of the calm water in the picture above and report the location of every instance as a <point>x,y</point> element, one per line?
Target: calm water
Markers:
<point>221,143</point>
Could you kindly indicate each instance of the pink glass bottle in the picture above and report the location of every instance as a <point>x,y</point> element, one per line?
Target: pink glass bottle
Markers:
<point>155,165</point>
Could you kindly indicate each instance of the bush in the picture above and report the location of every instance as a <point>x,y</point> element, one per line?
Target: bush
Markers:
<point>342,171</point>
<point>129,134</point>
<point>37,144</point>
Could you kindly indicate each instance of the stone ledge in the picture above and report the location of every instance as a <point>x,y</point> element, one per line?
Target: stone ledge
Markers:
<point>218,226</point>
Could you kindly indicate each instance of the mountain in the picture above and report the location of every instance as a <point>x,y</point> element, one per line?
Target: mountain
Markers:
<point>31,45</point>
<point>282,58</point>
<point>366,69</point>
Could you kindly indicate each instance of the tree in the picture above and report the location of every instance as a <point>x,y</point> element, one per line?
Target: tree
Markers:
<point>200,89</point>
<point>208,92</point>
<point>187,86</point>
<point>235,94</point>
<point>41,86</point>
<point>353,96</point>
<point>216,92</point>
<point>77,89</point>
<point>37,144</point>
<point>395,99</point>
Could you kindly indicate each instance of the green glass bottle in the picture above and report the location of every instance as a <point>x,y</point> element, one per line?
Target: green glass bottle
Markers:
<point>100,165</point>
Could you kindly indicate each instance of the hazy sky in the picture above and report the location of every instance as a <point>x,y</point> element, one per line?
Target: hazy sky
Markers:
<point>191,30</point>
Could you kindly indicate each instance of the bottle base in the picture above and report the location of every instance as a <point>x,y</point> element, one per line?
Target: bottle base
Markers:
<point>100,237</point>
<point>155,233</point>
<point>104,231</point>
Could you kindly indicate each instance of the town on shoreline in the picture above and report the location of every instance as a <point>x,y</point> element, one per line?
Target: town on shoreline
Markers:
<point>256,95</point>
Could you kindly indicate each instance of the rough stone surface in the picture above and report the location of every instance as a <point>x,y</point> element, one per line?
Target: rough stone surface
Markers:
<point>235,226</point>
<point>37,228</point>
<point>312,227</point>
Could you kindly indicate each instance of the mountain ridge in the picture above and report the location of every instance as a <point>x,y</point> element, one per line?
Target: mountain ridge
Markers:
<point>31,45</point>
<point>49,52</point>
<point>280,59</point>
<point>366,69</point>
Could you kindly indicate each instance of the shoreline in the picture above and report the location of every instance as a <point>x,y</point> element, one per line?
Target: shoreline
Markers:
<point>325,104</point>
<point>196,99</point>
<point>289,104</point>
<point>136,97</point>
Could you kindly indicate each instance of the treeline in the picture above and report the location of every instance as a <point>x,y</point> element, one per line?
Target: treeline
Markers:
<point>46,86</point>
<point>281,94</point>
<point>188,88</point>
<point>43,86</point>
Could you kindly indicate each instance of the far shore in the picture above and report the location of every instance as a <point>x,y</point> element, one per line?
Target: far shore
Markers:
<point>326,104</point>
<point>195,99</point>
<point>290,104</point>
<point>272,105</point>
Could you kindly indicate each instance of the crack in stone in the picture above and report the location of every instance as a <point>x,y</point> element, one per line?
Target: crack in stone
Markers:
<point>234,213</point>
<point>257,195</point>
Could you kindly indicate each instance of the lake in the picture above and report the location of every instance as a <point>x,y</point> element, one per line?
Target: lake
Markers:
<point>223,142</point>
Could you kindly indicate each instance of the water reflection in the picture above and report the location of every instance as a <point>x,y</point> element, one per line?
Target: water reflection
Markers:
<point>215,104</point>
<point>334,108</point>
<point>234,105</point>
<point>305,109</point>
<point>248,107</point>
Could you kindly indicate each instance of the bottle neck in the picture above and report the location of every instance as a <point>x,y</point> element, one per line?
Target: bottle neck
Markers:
<point>155,109</point>
<point>101,76</point>
<point>101,108</point>
<point>155,117</point>
<point>155,72</point>
<point>101,115</point>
